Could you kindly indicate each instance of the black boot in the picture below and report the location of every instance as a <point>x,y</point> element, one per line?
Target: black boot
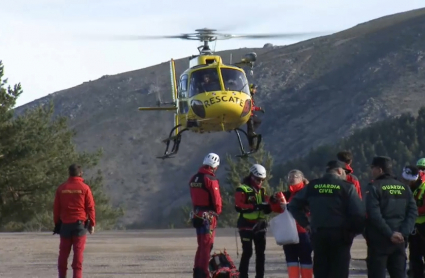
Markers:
<point>199,273</point>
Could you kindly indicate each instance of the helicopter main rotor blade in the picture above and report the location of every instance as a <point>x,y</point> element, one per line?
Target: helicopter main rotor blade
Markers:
<point>262,36</point>
<point>131,37</point>
<point>204,34</point>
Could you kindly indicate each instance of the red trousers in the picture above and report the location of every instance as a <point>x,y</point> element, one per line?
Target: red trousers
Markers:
<point>78,243</point>
<point>205,236</point>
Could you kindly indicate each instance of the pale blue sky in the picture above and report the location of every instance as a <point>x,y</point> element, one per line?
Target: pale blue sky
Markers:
<point>40,48</point>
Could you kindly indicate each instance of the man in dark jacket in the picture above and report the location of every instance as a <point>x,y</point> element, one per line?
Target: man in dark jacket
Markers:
<point>337,215</point>
<point>206,201</point>
<point>74,213</point>
<point>391,214</point>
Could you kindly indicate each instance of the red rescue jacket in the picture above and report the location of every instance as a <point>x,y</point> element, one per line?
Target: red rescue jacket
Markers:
<point>422,175</point>
<point>205,191</point>
<point>242,202</point>
<point>353,179</point>
<point>73,202</point>
<point>253,107</point>
<point>293,190</point>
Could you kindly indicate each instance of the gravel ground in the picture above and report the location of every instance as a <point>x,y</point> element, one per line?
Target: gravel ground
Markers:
<point>146,253</point>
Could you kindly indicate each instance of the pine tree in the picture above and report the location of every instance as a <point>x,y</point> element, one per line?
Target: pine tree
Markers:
<point>420,127</point>
<point>8,97</point>
<point>37,150</point>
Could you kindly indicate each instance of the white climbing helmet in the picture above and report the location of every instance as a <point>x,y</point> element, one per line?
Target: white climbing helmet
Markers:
<point>258,171</point>
<point>212,160</point>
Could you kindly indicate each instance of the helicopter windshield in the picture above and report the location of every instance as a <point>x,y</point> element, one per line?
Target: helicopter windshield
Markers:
<point>234,80</point>
<point>204,80</point>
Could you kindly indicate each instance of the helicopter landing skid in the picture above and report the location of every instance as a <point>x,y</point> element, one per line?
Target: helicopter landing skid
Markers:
<point>243,152</point>
<point>176,143</point>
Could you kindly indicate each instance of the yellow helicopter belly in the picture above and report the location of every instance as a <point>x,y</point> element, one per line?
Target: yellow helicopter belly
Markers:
<point>220,111</point>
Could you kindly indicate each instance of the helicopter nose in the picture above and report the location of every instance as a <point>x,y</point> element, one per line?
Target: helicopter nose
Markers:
<point>223,106</point>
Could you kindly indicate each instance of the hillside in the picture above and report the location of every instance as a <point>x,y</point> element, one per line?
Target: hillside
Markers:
<point>405,145</point>
<point>314,92</point>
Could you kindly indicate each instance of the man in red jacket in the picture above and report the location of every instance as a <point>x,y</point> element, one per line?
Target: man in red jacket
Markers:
<point>73,214</point>
<point>347,158</point>
<point>253,122</point>
<point>206,202</point>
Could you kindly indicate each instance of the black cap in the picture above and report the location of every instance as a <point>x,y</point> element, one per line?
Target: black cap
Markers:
<point>335,164</point>
<point>253,86</point>
<point>383,162</point>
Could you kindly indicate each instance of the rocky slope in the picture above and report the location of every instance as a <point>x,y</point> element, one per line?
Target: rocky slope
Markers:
<point>314,92</point>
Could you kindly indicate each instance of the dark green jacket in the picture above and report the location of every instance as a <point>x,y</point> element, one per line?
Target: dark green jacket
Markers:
<point>390,207</point>
<point>333,203</point>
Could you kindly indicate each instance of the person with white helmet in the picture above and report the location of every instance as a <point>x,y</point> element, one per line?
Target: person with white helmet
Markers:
<point>420,164</point>
<point>411,177</point>
<point>207,205</point>
<point>251,201</point>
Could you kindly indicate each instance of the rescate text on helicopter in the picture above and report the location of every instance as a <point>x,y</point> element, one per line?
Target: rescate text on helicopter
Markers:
<point>210,96</point>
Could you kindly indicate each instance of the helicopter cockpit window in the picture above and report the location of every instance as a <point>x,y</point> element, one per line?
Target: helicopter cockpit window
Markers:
<point>204,80</point>
<point>182,88</point>
<point>235,80</point>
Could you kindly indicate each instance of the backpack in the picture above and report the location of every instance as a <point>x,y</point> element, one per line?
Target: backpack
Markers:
<point>222,266</point>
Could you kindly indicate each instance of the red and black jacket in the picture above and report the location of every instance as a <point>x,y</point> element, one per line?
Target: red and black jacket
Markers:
<point>253,107</point>
<point>205,192</point>
<point>293,190</point>
<point>243,203</point>
<point>353,179</point>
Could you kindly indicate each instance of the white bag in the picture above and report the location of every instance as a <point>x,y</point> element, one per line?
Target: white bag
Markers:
<point>284,229</point>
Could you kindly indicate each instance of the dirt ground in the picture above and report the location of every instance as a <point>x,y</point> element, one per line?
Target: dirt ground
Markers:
<point>147,253</point>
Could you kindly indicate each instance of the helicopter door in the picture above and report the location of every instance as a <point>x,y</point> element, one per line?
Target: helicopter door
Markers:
<point>182,90</point>
<point>182,93</point>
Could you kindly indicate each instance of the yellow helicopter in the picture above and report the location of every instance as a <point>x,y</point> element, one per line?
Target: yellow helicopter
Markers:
<point>210,96</point>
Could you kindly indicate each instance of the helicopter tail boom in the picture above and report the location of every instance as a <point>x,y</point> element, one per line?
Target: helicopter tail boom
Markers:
<point>173,80</point>
<point>174,93</point>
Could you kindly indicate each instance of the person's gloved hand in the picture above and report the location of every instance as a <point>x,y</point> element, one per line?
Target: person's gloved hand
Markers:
<point>57,228</point>
<point>262,110</point>
<point>260,207</point>
<point>280,198</point>
<point>308,229</point>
